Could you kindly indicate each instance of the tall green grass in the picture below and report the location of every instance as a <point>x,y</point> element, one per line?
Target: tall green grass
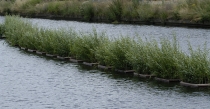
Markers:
<point>113,53</point>
<point>15,29</point>
<point>72,8</point>
<point>55,41</point>
<point>140,54</point>
<point>145,11</point>
<point>87,10</point>
<point>84,46</point>
<point>195,68</point>
<point>22,32</point>
<point>161,58</point>
<point>116,10</point>
<point>164,60</point>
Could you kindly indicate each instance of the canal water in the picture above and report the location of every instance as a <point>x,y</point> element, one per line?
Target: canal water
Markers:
<point>30,81</point>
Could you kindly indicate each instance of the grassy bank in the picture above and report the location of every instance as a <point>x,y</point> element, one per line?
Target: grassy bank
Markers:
<point>193,11</point>
<point>164,59</point>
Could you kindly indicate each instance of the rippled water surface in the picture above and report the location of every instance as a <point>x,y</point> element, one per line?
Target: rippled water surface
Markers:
<point>30,81</point>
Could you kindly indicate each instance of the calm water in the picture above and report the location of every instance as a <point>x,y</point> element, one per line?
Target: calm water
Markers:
<point>30,81</point>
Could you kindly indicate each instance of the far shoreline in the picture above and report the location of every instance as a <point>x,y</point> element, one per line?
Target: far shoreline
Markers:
<point>155,22</point>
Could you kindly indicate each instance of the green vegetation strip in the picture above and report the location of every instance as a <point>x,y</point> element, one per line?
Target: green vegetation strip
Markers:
<point>162,59</point>
<point>191,11</point>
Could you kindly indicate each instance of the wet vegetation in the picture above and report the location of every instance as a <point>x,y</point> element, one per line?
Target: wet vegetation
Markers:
<point>162,58</point>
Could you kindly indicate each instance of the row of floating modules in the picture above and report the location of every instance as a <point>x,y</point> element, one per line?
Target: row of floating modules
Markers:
<point>118,70</point>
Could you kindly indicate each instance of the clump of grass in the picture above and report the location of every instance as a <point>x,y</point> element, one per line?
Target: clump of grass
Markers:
<point>48,41</point>
<point>30,3</point>
<point>139,55</point>
<point>194,10</point>
<point>164,61</point>
<point>25,6</point>
<point>29,38</point>
<point>129,10</point>
<point>20,32</point>
<point>64,41</point>
<point>14,28</point>
<point>23,33</point>
<point>115,11</point>
<point>100,9</point>
<point>103,53</point>
<point>203,10</point>
<point>55,41</point>
<point>195,66</point>
<point>5,6</point>
<point>145,11</point>
<point>54,8</point>
<point>84,46</point>
<point>72,8</point>
<point>87,10</point>
<point>113,53</point>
